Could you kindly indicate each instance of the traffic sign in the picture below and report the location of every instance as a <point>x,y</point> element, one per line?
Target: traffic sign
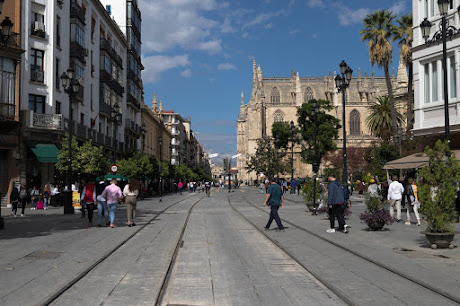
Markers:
<point>114,168</point>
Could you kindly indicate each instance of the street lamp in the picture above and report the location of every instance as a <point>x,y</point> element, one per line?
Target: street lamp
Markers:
<point>160,142</point>
<point>442,35</point>
<point>342,83</point>
<point>315,161</point>
<point>229,174</point>
<point>71,86</point>
<point>292,154</point>
<point>7,26</point>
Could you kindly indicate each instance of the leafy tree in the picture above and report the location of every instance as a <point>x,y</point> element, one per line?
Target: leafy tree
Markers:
<point>379,120</point>
<point>63,157</point>
<point>282,134</point>
<point>404,34</point>
<point>356,162</point>
<point>437,193</point>
<point>267,159</point>
<point>136,166</point>
<point>378,155</point>
<point>327,131</point>
<point>93,160</point>
<point>378,31</point>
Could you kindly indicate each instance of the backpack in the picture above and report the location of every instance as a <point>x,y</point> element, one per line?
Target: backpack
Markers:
<point>23,194</point>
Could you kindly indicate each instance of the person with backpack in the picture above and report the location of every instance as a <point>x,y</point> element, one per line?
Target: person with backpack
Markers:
<point>336,203</point>
<point>23,198</point>
<point>88,196</point>
<point>373,189</point>
<point>14,200</point>
<point>414,203</point>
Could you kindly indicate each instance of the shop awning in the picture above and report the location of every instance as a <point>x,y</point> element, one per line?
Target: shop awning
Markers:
<point>414,161</point>
<point>45,152</point>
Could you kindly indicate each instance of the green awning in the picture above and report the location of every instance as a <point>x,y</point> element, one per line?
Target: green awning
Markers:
<point>45,152</point>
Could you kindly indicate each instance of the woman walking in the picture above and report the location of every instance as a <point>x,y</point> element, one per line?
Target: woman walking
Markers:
<point>23,198</point>
<point>88,195</point>
<point>414,203</point>
<point>130,192</point>
<point>112,195</point>
<point>46,196</point>
<point>14,200</point>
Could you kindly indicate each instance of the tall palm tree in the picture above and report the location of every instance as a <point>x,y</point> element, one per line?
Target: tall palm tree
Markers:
<point>379,121</point>
<point>378,31</point>
<point>405,36</point>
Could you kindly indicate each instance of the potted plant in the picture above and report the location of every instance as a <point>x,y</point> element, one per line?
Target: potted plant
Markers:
<point>307,191</point>
<point>376,216</point>
<point>436,193</point>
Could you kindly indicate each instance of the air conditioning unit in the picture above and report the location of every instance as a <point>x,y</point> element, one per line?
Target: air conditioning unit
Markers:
<point>39,26</point>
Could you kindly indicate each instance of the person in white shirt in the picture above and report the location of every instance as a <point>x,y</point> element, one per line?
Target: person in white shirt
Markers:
<point>395,192</point>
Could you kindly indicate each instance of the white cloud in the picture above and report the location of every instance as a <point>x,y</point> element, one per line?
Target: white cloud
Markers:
<point>262,19</point>
<point>155,65</point>
<point>293,32</point>
<point>168,24</point>
<point>227,27</point>
<point>186,73</point>
<point>349,16</point>
<point>398,8</point>
<point>226,66</point>
<point>315,3</point>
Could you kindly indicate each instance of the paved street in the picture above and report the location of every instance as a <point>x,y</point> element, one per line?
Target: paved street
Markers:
<point>222,259</point>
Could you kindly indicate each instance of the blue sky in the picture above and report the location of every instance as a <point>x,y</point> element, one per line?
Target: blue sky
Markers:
<point>198,53</point>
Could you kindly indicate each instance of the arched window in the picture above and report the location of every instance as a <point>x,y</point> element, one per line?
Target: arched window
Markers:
<point>275,96</point>
<point>355,123</point>
<point>308,95</point>
<point>279,116</point>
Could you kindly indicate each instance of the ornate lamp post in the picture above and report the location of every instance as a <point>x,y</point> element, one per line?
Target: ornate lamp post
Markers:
<point>160,142</point>
<point>315,163</point>
<point>292,154</point>
<point>342,83</point>
<point>7,26</point>
<point>441,36</point>
<point>71,86</point>
<point>229,174</point>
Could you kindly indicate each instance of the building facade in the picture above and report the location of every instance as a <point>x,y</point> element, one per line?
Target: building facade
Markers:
<point>10,74</point>
<point>175,124</point>
<point>278,99</point>
<point>429,118</point>
<point>96,50</point>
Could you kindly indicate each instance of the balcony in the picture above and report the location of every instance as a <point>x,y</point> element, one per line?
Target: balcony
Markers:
<point>43,121</point>
<point>76,11</point>
<point>134,127</point>
<point>133,102</point>
<point>7,112</point>
<point>82,131</point>
<point>38,29</point>
<point>107,141</point>
<point>105,46</point>
<point>37,75</point>
<point>99,138</point>
<point>80,95</point>
<point>106,77</point>
<point>175,132</point>
<point>175,142</point>
<point>77,50</point>
<point>174,152</point>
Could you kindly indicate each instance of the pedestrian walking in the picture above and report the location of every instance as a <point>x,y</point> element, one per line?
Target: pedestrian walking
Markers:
<point>275,199</point>
<point>395,192</point>
<point>88,196</point>
<point>207,186</point>
<point>101,204</point>
<point>179,186</point>
<point>112,195</point>
<point>46,197</point>
<point>373,189</point>
<point>130,192</point>
<point>14,200</point>
<point>336,203</point>
<point>360,188</point>
<point>23,198</point>
<point>284,186</point>
<point>414,202</point>
<point>34,193</point>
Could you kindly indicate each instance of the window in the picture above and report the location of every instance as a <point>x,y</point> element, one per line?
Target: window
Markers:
<point>7,81</point>
<point>58,31</point>
<point>56,75</point>
<point>36,59</point>
<point>452,77</point>
<point>278,117</point>
<point>308,95</point>
<point>355,123</point>
<point>79,71</point>
<point>427,82</point>
<point>77,32</point>
<point>82,118</point>
<point>275,96</point>
<point>37,104</point>
<point>434,82</point>
<point>93,28</point>
<point>58,107</point>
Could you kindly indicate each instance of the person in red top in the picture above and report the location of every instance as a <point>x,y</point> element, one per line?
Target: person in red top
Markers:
<point>88,195</point>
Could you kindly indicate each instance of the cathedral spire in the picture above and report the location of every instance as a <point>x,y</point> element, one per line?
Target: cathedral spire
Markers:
<point>154,102</point>
<point>242,98</point>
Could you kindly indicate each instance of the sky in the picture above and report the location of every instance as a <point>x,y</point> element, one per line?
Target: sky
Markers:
<point>198,54</point>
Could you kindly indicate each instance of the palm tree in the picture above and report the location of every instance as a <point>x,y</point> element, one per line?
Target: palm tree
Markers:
<point>378,31</point>
<point>405,36</point>
<point>379,121</point>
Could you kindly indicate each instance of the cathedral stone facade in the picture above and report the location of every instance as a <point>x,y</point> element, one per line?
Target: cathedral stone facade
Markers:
<point>278,98</point>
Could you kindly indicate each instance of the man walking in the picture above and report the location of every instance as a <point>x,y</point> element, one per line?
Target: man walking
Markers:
<point>275,199</point>
<point>395,192</point>
<point>336,203</point>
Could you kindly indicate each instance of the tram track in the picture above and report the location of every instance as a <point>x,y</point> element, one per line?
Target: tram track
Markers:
<point>85,272</point>
<point>380,265</point>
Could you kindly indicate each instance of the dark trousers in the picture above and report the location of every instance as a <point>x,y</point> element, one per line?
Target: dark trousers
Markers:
<point>14,209</point>
<point>274,215</point>
<point>23,204</point>
<point>90,207</point>
<point>337,211</point>
<point>83,206</point>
